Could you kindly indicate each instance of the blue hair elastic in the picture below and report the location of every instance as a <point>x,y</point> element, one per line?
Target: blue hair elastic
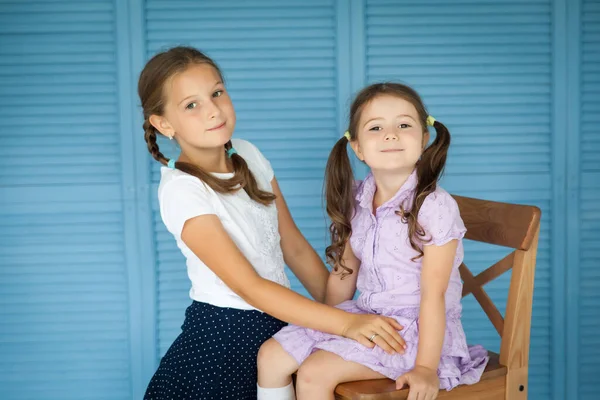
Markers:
<point>171,163</point>
<point>231,152</point>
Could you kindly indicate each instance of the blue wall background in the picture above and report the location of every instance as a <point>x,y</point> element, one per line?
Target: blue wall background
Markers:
<point>93,289</point>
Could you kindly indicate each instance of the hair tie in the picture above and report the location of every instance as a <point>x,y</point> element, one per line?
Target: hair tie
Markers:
<point>231,152</point>
<point>430,120</point>
<point>171,163</point>
<point>347,135</point>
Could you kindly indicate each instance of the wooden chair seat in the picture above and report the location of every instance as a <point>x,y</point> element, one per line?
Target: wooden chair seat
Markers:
<point>515,227</point>
<point>490,386</point>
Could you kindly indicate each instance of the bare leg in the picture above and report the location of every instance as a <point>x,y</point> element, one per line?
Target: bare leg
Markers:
<point>275,365</point>
<point>323,371</point>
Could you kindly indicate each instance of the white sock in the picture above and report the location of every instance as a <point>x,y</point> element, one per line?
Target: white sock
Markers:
<point>282,393</point>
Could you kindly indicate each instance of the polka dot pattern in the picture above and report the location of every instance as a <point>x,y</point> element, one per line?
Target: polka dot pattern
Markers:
<point>214,357</point>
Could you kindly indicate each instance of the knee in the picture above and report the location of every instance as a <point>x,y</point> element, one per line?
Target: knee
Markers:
<point>268,354</point>
<point>273,359</point>
<point>315,374</point>
<point>275,366</point>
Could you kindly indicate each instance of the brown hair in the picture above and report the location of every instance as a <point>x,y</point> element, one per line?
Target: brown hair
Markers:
<point>162,67</point>
<point>339,180</point>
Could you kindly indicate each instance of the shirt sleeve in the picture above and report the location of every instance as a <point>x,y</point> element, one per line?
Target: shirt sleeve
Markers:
<point>259,160</point>
<point>440,218</point>
<point>265,165</point>
<point>183,199</point>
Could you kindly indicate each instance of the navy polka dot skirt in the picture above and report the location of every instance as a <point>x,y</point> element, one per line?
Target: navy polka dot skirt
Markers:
<point>214,357</point>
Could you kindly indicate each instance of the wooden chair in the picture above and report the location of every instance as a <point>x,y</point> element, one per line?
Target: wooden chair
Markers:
<point>509,225</point>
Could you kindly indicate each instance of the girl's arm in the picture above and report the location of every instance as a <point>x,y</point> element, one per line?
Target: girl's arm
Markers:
<point>207,238</point>
<point>297,252</point>
<point>338,289</point>
<point>435,275</point>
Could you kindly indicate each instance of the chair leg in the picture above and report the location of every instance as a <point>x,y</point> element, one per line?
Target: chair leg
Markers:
<point>517,384</point>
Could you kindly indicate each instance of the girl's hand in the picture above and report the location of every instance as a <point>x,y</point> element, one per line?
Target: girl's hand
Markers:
<point>382,330</point>
<point>424,383</point>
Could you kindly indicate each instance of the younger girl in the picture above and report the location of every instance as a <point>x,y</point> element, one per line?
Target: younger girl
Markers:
<point>221,202</point>
<point>397,237</point>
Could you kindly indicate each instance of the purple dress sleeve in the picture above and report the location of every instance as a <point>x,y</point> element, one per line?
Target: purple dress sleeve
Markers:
<point>440,218</point>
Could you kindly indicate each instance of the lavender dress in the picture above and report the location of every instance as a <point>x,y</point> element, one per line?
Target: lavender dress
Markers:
<point>389,284</point>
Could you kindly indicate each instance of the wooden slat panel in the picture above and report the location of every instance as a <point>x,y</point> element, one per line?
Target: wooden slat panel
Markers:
<point>586,255</point>
<point>64,294</point>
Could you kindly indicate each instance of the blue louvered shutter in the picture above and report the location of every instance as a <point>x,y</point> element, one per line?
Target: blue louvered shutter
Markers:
<point>589,203</point>
<point>485,71</point>
<point>279,62</point>
<point>63,280</point>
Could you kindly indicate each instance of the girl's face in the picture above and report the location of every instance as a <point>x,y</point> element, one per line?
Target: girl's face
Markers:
<point>389,136</point>
<point>198,110</point>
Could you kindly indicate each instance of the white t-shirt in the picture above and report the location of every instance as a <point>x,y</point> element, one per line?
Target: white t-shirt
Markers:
<point>252,226</point>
